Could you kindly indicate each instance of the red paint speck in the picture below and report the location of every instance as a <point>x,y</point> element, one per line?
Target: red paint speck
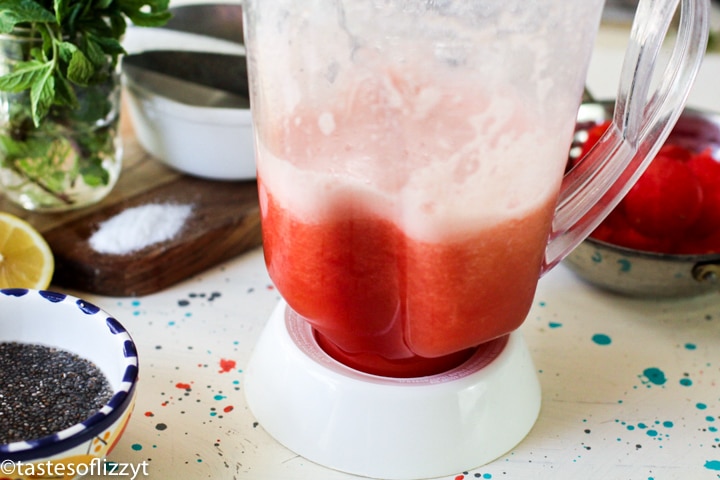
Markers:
<point>183,386</point>
<point>165,403</point>
<point>228,409</point>
<point>460,477</point>
<point>226,365</point>
<point>149,414</point>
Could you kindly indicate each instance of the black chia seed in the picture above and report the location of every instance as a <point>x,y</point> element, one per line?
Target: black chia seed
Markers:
<point>44,390</point>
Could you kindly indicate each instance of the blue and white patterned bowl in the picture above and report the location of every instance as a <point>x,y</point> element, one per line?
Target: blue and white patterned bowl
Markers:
<point>69,323</point>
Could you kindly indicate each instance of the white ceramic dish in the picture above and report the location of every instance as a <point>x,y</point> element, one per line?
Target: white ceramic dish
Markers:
<point>196,129</point>
<point>200,132</point>
<point>62,321</point>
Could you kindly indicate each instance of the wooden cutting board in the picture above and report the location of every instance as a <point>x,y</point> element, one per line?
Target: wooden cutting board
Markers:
<point>223,223</point>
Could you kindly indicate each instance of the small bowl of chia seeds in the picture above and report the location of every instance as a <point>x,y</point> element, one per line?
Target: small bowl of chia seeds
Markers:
<point>68,372</point>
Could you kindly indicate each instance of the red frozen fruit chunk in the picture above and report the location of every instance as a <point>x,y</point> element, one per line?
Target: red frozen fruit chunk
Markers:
<point>706,168</point>
<point>616,230</point>
<point>677,152</point>
<point>700,245</point>
<point>630,238</point>
<point>707,171</point>
<point>666,200</point>
<point>603,232</point>
<point>613,222</point>
<point>708,221</point>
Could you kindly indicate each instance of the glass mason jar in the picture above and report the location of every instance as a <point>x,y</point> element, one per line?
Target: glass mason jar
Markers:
<point>73,158</point>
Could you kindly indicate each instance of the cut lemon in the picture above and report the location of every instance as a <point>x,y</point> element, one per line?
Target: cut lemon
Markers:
<point>26,260</point>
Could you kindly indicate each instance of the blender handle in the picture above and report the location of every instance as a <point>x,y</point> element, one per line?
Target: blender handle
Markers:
<point>640,123</point>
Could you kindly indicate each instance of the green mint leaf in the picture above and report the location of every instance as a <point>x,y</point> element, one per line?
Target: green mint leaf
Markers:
<point>108,45</point>
<point>13,12</point>
<point>146,13</point>
<point>61,8</point>
<point>42,93</point>
<point>95,175</point>
<point>118,24</point>
<point>25,75</point>
<point>151,19</point>
<point>94,52</point>
<point>80,68</point>
<point>72,18</point>
<point>64,93</point>
<point>38,54</point>
<point>66,50</point>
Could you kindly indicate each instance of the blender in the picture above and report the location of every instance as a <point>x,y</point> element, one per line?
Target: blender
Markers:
<point>411,171</point>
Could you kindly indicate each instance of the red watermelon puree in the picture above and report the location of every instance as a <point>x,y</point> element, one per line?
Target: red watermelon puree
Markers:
<point>386,304</point>
<point>392,227</point>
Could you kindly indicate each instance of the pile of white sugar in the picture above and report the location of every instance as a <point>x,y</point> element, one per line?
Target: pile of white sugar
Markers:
<point>139,227</point>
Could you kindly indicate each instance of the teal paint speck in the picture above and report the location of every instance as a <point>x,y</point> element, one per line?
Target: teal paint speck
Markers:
<point>136,446</point>
<point>487,475</point>
<point>710,419</point>
<point>701,406</point>
<point>631,427</point>
<point>542,304</point>
<point>554,325</point>
<point>712,429</point>
<point>625,265</point>
<point>668,424</point>
<point>219,397</point>
<point>690,346</point>
<point>136,303</point>
<point>601,339</point>
<point>655,376</point>
<point>652,433</point>
<point>171,323</point>
<point>642,425</point>
<point>597,257</point>
<point>712,464</point>
<point>685,382</point>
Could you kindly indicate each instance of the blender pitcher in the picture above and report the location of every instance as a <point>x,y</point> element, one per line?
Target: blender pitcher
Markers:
<point>410,160</point>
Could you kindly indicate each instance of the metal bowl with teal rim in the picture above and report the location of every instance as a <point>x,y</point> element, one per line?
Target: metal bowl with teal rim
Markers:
<point>644,274</point>
<point>650,273</point>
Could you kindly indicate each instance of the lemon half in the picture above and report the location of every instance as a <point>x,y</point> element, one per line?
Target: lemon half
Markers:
<point>26,260</point>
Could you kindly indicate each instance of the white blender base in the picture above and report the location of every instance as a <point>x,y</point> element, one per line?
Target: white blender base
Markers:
<point>390,428</point>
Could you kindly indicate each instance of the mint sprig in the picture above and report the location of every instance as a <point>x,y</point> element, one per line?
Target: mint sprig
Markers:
<point>61,117</point>
<point>80,44</point>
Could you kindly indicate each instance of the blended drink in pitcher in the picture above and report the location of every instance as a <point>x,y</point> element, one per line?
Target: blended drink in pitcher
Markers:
<point>406,200</point>
<point>428,258</point>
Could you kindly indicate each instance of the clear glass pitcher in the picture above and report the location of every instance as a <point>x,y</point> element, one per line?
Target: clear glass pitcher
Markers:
<point>411,160</point>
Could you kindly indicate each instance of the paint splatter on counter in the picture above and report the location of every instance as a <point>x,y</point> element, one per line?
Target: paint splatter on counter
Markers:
<point>643,406</point>
<point>629,373</point>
